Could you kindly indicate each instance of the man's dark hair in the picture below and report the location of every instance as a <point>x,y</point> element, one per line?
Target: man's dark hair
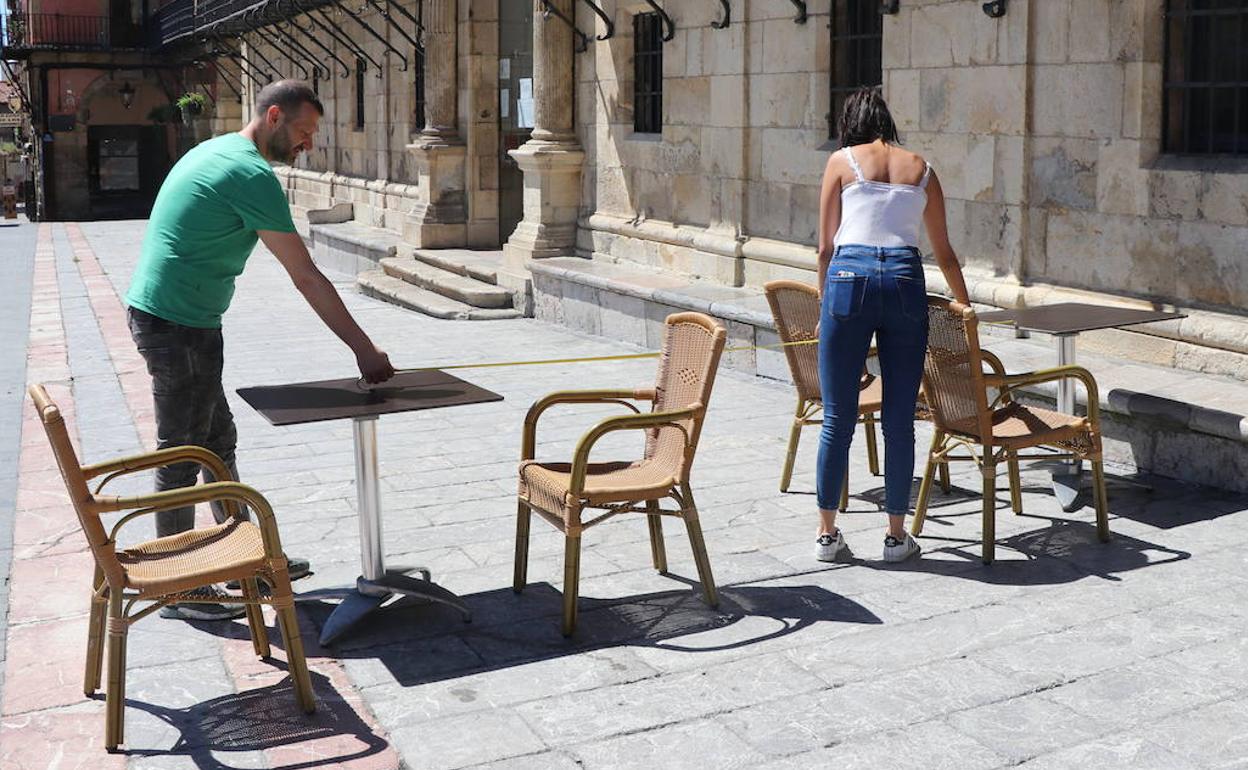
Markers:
<point>866,118</point>
<point>288,96</point>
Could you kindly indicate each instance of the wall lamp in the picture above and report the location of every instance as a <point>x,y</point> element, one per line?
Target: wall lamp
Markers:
<point>126,92</point>
<point>995,8</point>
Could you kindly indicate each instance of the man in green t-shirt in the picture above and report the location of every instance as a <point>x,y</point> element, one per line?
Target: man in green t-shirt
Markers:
<point>217,202</point>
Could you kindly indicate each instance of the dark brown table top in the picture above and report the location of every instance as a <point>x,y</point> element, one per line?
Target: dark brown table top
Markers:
<point>341,399</point>
<point>1075,317</point>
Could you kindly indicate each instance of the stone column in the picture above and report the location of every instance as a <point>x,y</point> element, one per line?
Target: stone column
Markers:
<point>439,219</point>
<point>552,159</point>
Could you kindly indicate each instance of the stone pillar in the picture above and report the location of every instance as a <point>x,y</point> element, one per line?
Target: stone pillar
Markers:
<point>552,159</point>
<point>439,219</point>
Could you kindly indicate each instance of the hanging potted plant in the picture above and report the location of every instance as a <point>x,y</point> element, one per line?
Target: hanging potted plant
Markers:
<point>191,105</point>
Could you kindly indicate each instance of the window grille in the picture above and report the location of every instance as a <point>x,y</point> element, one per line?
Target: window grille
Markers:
<point>1205,96</point>
<point>359,94</point>
<point>647,74</point>
<point>857,57</point>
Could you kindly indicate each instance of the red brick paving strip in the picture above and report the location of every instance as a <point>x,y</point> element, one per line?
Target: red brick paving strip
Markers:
<point>47,639</point>
<point>338,702</point>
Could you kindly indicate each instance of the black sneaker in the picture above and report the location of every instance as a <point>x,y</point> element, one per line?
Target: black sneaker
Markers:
<point>209,610</point>
<point>298,568</point>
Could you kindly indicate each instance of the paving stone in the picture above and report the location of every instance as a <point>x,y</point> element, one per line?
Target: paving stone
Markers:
<point>928,746</point>
<point>465,740</point>
<point>1113,752</point>
<point>1025,727</point>
<point>690,745</point>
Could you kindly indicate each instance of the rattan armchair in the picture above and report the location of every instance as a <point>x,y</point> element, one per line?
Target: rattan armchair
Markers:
<point>795,309</point>
<point>957,394</point>
<point>165,570</point>
<point>562,493</point>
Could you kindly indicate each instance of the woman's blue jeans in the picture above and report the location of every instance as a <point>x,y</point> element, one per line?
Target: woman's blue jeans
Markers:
<point>880,292</point>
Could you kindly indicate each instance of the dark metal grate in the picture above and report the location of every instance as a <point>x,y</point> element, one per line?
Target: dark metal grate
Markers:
<point>1205,102</point>
<point>418,84</point>
<point>857,56</point>
<point>359,94</point>
<point>647,74</point>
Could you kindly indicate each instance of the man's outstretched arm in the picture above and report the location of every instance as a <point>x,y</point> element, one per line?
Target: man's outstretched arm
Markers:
<point>323,297</point>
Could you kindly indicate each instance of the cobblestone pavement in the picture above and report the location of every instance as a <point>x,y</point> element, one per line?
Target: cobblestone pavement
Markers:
<point>1064,653</point>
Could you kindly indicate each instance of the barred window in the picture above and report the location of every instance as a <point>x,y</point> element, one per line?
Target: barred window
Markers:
<point>359,93</point>
<point>857,57</point>
<point>647,74</point>
<point>418,86</point>
<point>1205,108</point>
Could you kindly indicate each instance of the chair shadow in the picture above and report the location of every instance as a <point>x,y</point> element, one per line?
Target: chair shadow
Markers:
<point>257,720</point>
<point>421,643</point>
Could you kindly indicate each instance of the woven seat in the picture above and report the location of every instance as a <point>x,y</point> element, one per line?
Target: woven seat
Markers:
<point>795,309</point>
<point>1018,427</point>
<point>548,483</point>
<point>562,492</point>
<point>163,570</point>
<point>194,558</point>
<point>957,394</point>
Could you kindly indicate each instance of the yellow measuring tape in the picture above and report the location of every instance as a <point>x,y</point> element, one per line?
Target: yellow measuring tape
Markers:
<point>583,360</point>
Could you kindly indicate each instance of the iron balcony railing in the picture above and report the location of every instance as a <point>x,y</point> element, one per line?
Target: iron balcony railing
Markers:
<point>186,18</point>
<point>42,31</point>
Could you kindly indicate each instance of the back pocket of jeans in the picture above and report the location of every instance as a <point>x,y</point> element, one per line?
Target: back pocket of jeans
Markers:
<point>912,297</point>
<point>845,294</point>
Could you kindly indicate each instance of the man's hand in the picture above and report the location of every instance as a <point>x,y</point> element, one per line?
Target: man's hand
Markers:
<point>375,366</point>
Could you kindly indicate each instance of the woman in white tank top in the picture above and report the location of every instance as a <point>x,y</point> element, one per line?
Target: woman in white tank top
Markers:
<point>875,198</point>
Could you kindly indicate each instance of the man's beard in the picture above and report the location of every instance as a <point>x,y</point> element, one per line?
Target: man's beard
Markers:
<point>280,148</point>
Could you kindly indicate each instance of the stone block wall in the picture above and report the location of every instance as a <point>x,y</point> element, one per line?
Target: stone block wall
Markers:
<point>369,167</point>
<point>1044,126</point>
<point>744,133</point>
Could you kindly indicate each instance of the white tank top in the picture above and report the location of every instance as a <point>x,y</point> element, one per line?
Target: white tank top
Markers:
<point>881,213</point>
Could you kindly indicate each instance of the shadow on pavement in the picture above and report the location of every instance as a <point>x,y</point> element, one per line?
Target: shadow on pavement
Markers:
<point>262,719</point>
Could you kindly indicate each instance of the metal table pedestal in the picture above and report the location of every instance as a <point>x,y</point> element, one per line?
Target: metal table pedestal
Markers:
<point>377,584</point>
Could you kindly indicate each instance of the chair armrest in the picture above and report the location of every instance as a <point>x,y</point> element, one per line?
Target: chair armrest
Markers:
<point>994,363</point>
<point>1010,382</point>
<point>602,396</point>
<point>111,469</point>
<point>231,491</point>
<point>580,460</point>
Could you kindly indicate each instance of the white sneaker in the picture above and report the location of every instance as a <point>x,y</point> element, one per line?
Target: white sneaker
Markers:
<point>899,550</point>
<point>829,547</point>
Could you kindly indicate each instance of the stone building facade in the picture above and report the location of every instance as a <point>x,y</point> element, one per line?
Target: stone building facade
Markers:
<point>1043,118</point>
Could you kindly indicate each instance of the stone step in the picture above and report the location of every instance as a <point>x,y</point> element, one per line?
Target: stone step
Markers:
<point>452,285</point>
<point>479,265</point>
<point>350,247</point>
<point>376,283</point>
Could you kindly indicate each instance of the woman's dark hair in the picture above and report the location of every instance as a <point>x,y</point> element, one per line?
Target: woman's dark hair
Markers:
<point>866,118</point>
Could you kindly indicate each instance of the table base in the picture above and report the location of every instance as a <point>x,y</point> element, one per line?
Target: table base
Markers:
<point>1069,481</point>
<point>369,595</point>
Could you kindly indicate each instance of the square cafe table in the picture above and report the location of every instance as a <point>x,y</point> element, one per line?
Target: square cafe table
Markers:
<point>1065,321</point>
<point>306,402</point>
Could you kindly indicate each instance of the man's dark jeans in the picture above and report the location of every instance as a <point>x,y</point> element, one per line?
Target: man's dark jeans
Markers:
<point>185,364</point>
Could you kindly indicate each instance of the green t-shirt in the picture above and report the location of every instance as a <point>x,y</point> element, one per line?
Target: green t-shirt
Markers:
<point>202,229</point>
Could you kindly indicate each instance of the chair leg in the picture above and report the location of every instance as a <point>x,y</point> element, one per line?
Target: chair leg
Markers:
<point>523,517</point>
<point>571,581</point>
<point>925,487</point>
<point>96,630</point>
<point>873,454</point>
<point>989,471</point>
<point>844,502</point>
<point>255,618</point>
<point>701,559</point>
<point>1016,484</point>
<point>944,478</point>
<point>115,694</point>
<point>288,624</point>
<point>795,434</point>
<point>1101,500</point>
<point>658,551</point>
